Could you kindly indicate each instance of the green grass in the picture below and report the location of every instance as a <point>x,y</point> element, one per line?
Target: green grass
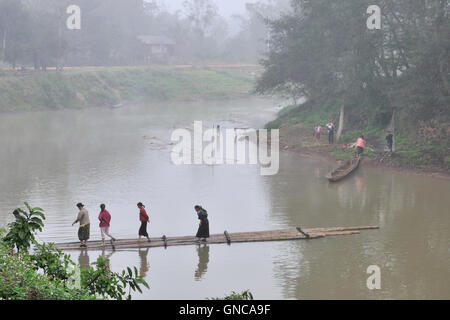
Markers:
<point>447,161</point>
<point>307,114</point>
<point>84,87</point>
<point>342,155</point>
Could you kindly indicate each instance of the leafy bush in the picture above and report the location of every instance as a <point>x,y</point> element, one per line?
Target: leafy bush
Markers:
<point>52,261</point>
<point>19,280</point>
<point>447,161</point>
<point>245,295</point>
<point>101,281</point>
<point>48,273</point>
<point>21,231</point>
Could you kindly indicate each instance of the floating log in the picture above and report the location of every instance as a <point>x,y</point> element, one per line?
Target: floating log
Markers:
<point>225,238</point>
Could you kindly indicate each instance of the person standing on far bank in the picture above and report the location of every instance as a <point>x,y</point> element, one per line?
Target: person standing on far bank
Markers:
<point>203,228</point>
<point>331,129</point>
<point>360,145</point>
<point>105,222</point>
<point>144,218</point>
<point>390,141</point>
<point>317,131</point>
<point>85,225</point>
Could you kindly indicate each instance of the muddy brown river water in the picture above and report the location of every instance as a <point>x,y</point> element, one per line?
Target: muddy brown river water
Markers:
<point>54,159</point>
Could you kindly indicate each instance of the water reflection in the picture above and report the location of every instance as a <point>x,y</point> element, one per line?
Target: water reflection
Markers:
<point>83,259</point>
<point>64,158</point>
<point>107,257</point>
<point>203,260</point>
<point>143,258</point>
<point>411,246</point>
<point>359,183</point>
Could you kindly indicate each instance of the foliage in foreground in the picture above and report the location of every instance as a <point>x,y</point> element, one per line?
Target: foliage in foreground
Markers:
<point>21,231</point>
<point>19,279</point>
<point>245,295</point>
<point>49,274</point>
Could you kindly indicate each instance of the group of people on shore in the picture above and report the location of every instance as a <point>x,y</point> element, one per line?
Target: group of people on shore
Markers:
<point>104,218</point>
<point>330,127</point>
<point>360,142</point>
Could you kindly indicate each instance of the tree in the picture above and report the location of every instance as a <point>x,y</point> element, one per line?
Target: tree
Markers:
<point>14,31</point>
<point>205,31</point>
<point>325,49</point>
<point>201,15</point>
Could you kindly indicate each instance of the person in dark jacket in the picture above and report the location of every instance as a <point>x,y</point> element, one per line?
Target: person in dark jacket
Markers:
<point>390,141</point>
<point>203,229</point>
<point>144,218</point>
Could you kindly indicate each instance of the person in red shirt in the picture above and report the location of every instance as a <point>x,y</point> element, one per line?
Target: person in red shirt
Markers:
<point>144,218</point>
<point>105,221</point>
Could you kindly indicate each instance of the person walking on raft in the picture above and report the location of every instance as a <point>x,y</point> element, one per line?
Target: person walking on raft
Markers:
<point>85,225</point>
<point>144,218</point>
<point>105,221</point>
<point>203,228</point>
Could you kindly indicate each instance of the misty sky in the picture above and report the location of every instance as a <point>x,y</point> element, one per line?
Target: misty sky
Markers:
<point>227,7</point>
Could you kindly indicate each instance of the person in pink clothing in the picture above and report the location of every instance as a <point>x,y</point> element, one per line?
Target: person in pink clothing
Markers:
<point>105,221</point>
<point>360,145</point>
<point>318,131</point>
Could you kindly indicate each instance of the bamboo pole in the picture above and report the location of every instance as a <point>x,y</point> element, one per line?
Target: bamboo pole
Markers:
<point>292,234</point>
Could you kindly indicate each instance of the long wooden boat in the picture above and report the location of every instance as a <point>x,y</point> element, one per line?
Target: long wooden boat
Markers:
<point>345,170</point>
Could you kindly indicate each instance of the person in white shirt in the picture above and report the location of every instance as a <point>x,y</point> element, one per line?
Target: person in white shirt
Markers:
<point>331,129</point>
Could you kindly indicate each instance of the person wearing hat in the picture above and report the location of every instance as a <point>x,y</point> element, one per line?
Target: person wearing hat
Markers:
<point>85,225</point>
<point>17,215</point>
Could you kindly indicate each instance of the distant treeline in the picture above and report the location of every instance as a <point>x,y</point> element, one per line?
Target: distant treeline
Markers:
<point>325,51</point>
<point>34,32</point>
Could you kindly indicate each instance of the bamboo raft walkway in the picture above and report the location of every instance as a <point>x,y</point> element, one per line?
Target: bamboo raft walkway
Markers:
<point>225,238</point>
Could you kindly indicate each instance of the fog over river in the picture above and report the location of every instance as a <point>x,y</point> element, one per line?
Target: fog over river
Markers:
<point>55,159</point>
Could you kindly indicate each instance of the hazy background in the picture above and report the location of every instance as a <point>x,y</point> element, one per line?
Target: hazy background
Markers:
<point>34,33</point>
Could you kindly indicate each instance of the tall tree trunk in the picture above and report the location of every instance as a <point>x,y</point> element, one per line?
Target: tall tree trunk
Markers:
<point>341,124</point>
<point>4,45</point>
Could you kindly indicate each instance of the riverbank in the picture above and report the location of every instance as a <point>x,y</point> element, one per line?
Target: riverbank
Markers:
<point>92,87</point>
<point>297,135</point>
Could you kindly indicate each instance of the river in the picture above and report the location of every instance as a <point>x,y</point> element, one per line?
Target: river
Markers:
<point>55,159</point>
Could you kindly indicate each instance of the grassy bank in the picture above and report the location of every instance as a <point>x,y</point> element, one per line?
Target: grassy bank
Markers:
<point>422,145</point>
<point>86,87</point>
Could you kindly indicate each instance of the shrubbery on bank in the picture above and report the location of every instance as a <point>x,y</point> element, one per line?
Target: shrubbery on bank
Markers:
<point>46,273</point>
